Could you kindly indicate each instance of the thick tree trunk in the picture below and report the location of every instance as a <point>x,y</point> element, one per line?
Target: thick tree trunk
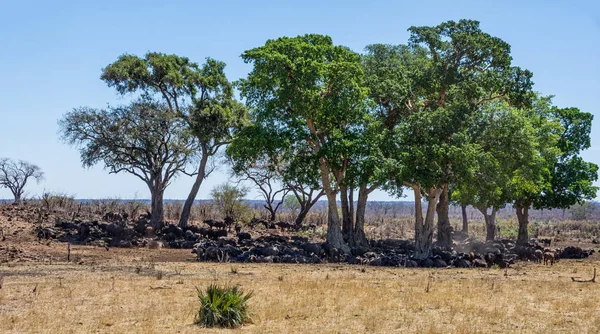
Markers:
<point>465,220</point>
<point>17,197</point>
<point>157,216</point>
<point>334,231</point>
<point>272,215</point>
<point>490,223</point>
<point>424,227</point>
<point>189,202</point>
<point>523,218</point>
<point>444,228</point>
<point>302,215</point>
<point>360,239</point>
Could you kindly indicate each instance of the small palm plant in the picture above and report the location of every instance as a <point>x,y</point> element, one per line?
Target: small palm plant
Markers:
<point>225,307</point>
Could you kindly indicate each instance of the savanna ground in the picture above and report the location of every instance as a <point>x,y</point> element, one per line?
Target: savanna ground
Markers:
<point>154,291</point>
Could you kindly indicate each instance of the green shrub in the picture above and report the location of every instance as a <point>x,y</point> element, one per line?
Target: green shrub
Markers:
<point>223,307</point>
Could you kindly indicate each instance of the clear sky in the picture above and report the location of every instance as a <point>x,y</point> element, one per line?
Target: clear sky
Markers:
<point>52,53</point>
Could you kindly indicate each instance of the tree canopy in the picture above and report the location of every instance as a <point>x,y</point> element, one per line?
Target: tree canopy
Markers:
<point>143,138</point>
<point>14,175</point>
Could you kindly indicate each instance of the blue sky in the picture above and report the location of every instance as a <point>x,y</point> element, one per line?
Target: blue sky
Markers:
<point>51,55</point>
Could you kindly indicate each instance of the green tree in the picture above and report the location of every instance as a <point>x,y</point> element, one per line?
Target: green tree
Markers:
<point>440,80</point>
<point>507,144</point>
<point>229,200</point>
<point>312,92</point>
<point>291,203</point>
<point>144,138</point>
<point>201,95</point>
<point>562,178</point>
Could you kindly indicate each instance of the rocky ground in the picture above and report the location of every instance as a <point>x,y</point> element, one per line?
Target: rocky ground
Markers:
<point>263,243</point>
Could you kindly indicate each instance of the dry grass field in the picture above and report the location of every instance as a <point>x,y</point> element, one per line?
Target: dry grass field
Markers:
<point>154,291</point>
<point>142,290</point>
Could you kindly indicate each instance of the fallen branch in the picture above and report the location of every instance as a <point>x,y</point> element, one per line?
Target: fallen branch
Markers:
<point>593,280</point>
<point>159,287</point>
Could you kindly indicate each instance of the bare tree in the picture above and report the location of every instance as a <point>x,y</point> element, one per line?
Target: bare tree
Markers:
<point>15,174</point>
<point>265,177</point>
<point>307,197</point>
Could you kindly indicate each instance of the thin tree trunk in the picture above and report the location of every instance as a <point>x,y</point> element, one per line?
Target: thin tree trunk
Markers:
<point>419,227</point>
<point>444,228</point>
<point>347,224</point>
<point>523,218</point>
<point>351,204</point>
<point>360,239</point>
<point>189,202</point>
<point>306,206</point>
<point>465,221</point>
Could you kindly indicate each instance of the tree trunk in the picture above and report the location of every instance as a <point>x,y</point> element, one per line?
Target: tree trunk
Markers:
<point>523,218</point>
<point>157,216</point>
<point>490,223</point>
<point>465,221</point>
<point>424,227</point>
<point>306,206</point>
<point>334,231</point>
<point>444,228</point>
<point>302,215</point>
<point>360,239</point>
<point>273,214</point>
<point>189,202</point>
<point>17,197</point>
<point>347,223</point>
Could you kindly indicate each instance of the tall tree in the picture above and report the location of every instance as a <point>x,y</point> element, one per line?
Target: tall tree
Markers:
<point>459,68</point>
<point>563,177</point>
<point>507,145</point>
<point>15,174</point>
<point>201,95</point>
<point>312,91</point>
<point>145,139</point>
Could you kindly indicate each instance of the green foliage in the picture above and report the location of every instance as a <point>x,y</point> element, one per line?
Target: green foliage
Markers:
<point>143,138</point>
<point>229,200</point>
<point>225,307</point>
<point>309,95</point>
<point>428,95</point>
<point>291,203</point>
<point>507,146</point>
<point>308,92</point>
<point>201,95</point>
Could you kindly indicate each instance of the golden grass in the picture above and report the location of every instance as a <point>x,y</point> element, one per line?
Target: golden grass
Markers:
<point>124,295</point>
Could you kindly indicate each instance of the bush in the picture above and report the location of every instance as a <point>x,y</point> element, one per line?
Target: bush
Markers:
<point>229,201</point>
<point>223,307</point>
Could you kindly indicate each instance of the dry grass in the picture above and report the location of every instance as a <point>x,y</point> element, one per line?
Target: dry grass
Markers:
<point>121,293</point>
